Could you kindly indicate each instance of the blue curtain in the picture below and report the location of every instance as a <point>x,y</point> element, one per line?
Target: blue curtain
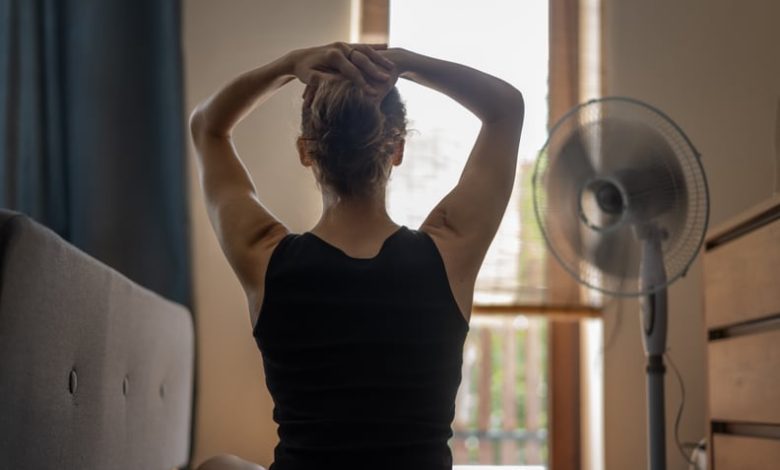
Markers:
<point>92,131</point>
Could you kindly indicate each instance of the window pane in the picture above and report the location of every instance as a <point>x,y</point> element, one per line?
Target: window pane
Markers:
<point>505,38</point>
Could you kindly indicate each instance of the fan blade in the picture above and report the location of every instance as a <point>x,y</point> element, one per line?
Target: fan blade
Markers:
<point>615,254</point>
<point>564,177</point>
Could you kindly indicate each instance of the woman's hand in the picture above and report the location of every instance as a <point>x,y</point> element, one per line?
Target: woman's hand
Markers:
<point>389,66</point>
<point>359,63</point>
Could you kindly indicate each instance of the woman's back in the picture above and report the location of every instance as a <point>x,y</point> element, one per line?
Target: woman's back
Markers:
<point>362,355</point>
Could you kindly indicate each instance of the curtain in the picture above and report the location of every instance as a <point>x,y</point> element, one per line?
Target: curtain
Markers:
<point>92,131</point>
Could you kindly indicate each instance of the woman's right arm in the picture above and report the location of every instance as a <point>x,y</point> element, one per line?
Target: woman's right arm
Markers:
<point>489,98</point>
<point>467,218</point>
<point>246,229</point>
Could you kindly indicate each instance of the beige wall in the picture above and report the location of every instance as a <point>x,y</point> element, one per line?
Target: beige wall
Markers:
<point>221,40</point>
<point>714,67</point>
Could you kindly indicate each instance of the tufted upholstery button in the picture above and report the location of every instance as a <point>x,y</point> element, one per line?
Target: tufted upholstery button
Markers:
<point>162,390</point>
<point>72,382</point>
<point>125,385</point>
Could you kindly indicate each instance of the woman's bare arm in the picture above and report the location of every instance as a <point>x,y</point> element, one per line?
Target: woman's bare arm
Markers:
<point>236,214</point>
<point>489,98</point>
<point>468,217</point>
<point>244,227</point>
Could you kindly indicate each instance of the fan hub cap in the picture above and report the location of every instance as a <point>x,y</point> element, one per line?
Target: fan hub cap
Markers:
<point>602,204</point>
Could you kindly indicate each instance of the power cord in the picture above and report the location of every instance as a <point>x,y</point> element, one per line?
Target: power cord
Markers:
<point>681,445</point>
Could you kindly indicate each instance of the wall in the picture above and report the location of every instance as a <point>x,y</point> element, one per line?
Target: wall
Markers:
<point>222,40</point>
<point>714,67</point>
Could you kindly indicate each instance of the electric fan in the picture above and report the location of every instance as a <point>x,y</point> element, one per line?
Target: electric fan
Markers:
<point>621,199</point>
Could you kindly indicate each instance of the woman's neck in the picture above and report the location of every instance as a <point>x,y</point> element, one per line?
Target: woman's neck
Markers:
<point>363,216</point>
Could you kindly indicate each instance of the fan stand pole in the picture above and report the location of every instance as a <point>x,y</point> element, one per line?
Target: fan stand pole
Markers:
<point>654,326</point>
<point>654,332</point>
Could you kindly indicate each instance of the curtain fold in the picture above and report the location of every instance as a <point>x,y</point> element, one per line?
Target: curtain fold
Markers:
<point>92,131</point>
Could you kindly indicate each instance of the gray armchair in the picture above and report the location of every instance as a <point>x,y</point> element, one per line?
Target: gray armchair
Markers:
<point>96,372</point>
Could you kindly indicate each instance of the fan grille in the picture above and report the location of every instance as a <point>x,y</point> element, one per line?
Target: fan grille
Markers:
<point>630,145</point>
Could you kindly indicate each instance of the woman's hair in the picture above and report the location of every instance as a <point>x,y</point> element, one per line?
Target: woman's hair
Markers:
<point>350,137</point>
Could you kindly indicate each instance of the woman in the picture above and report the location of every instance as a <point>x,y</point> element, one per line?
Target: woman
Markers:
<point>360,321</point>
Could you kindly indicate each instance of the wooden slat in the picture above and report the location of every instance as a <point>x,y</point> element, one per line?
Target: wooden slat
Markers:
<point>741,278</point>
<point>745,453</point>
<point>509,396</point>
<point>564,340</point>
<point>556,311</point>
<point>744,379</point>
<point>565,420</point>
<point>374,21</point>
<point>761,211</point>
<point>533,381</point>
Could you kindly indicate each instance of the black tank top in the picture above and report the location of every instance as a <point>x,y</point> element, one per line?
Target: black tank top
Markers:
<point>362,357</point>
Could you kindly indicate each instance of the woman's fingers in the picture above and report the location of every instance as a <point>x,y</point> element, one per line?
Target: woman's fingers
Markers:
<point>371,52</point>
<point>351,72</point>
<point>367,66</point>
<point>359,63</point>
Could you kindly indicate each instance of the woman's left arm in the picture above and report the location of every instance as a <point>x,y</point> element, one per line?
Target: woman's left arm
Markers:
<point>244,227</point>
<point>240,221</point>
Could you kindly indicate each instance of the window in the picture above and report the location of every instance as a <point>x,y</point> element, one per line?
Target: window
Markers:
<point>506,410</point>
<point>501,408</point>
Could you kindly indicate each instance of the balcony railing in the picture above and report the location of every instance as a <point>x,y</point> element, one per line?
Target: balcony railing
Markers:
<point>500,412</point>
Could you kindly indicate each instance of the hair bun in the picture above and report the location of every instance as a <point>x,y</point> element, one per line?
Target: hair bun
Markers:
<point>351,136</point>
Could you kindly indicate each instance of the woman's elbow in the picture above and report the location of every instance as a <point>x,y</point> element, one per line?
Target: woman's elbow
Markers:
<point>516,104</point>
<point>197,123</point>
<point>511,107</point>
<point>201,126</point>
